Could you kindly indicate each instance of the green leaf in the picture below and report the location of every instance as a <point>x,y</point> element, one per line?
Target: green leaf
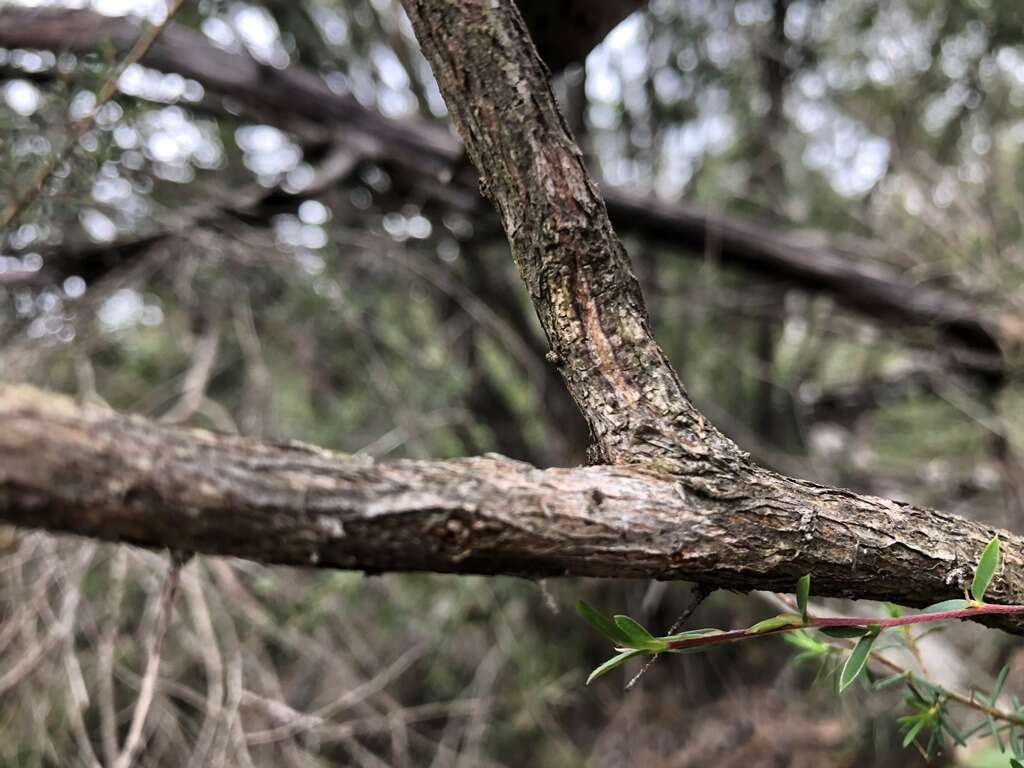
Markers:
<point>996,736</point>
<point>602,623</point>
<point>803,591</point>
<point>957,604</point>
<point>856,661</point>
<point>998,688</point>
<point>638,636</point>
<point>844,632</point>
<point>802,638</point>
<point>776,622</point>
<point>988,564</point>
<point>978,728</point>
<point>923,686</point>
<point>690,634</point>
<point>913,732</point>
<point>935,742</point>
<point>885,682</point>
<point>1014,763</point>
<point>633,629</point>
<point>612,663</point>
<point>949,728</point>
<point>800,658</point>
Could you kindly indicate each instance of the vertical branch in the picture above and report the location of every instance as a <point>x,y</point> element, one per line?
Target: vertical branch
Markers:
<point>105,656</point>
<point>576,269</point>
<point>769,179</point>
<point>155,641</point>
<point>213,664</point>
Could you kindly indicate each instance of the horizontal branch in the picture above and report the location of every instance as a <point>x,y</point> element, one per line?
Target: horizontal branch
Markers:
<point>976,336</point>
<point>89,471</point>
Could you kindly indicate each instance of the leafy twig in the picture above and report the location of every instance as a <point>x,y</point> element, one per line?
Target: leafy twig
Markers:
<point>697,596</point>
<point>927,700</point>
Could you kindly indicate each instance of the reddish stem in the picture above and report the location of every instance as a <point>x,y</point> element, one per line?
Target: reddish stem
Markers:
<point>735,635</point>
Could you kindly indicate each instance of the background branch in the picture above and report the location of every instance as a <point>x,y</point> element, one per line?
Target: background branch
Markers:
<point>979,339</point>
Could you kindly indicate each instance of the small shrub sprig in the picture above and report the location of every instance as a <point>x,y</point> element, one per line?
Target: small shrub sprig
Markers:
<point>928,702</point>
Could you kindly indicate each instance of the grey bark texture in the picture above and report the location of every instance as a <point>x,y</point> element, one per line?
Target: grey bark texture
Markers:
<point>677,500</point>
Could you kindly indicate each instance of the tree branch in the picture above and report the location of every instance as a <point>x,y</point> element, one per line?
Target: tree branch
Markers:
<point>574,266</point>
<point>90,471</point>
<point>694,508</point>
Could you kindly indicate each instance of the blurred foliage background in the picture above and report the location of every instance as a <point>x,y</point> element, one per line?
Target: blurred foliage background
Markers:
<point>204,261</point>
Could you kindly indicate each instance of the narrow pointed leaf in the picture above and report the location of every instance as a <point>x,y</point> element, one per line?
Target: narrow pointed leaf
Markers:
<point>996,737</point>
<point>978,728</point>
<point>988,564</point>
<point>949,728</point>
<point>804,639</point>
<point>775,622</point>
<point>957,604</point>
<point>612,663</point>
<point>856,661</point>
<point>639,637</point>
<point>891,680</point>
<point>633,629</point>
<point>844,632</point>
<point>934,743</point>
<point>800,658</point>
<point>602,623</point>
<point>690,634</point>
<point>998,688</point>
<point>803,591</point>
<point>912,732</point>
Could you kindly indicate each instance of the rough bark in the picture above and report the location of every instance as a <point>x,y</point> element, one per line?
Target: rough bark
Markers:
<point>574,266</point>
<point>89,471</point>
<point>979,339</point>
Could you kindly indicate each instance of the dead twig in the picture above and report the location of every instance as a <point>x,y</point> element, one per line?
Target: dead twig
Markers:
<point>133,741</point>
